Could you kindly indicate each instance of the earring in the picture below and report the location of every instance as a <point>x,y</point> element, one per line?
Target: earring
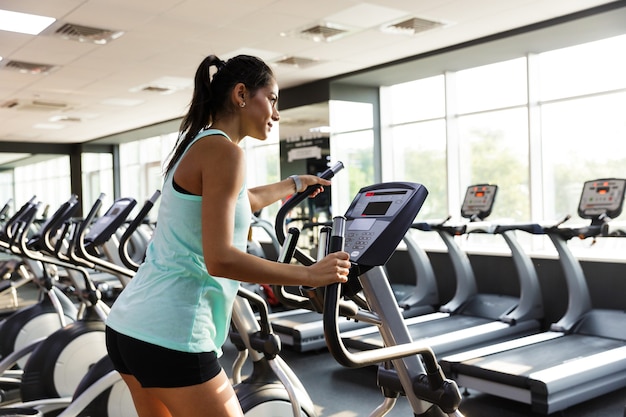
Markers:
<point>242,104</point>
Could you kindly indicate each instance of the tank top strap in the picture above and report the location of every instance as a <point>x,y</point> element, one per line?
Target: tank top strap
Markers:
<point>209,132</point>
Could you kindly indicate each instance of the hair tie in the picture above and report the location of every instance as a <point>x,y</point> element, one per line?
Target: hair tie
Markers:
<point>218,64</point>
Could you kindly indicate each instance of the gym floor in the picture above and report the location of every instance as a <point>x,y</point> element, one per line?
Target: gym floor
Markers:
<point>342,392</point>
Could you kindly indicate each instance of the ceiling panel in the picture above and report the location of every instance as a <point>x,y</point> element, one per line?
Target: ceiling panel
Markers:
<point>169,38</point>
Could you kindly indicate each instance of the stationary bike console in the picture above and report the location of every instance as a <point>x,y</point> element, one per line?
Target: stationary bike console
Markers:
<point>378,218</point>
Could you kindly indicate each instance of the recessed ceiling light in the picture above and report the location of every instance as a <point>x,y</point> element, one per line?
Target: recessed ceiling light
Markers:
<point>165,85</point>
<point>411,26</point>
<point>321,32</point>
<point>29,24</point>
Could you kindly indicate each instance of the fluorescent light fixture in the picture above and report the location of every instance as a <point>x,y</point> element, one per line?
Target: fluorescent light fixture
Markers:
<point>29,24</point>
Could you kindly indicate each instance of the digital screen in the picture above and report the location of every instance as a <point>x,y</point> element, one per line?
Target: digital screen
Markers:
<point>377,208</point>
<point>602,190</point>
<point>362,224</point>
<point>480,194</point>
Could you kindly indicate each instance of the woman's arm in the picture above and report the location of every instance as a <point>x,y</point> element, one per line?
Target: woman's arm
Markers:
<point>265,195</point>
<point>222,169</point>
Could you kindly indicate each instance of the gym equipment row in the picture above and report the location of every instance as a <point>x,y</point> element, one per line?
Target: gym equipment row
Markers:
<point>582,355</point>
<point>376,221</point>
<point>57,359</point>
<point>587,362</point>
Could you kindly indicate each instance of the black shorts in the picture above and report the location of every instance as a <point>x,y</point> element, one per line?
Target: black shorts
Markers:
<point>156,366</point>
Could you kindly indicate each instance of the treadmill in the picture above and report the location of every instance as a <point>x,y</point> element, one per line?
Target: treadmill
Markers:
<point>471,319</point>
<point>581,356</point>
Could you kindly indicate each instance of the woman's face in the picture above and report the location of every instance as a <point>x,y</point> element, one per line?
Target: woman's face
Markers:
<point>260,112</point>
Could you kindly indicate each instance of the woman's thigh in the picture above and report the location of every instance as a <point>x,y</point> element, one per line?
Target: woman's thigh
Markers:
<point>215,398</point>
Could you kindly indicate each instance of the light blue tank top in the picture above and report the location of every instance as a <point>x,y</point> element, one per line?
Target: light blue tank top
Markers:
<point>172,301</point>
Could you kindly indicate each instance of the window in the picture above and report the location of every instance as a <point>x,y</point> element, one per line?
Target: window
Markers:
<point>419,155</point>
<point>483,134</point>
<point>141,167</point>
<point>414,145</point>
<point>97,179</point>
<point>583,140</point>
<point>494,150</point>
<point>583,69</point>
<point>351,142</point>
<point>491,86</point>
<point>6,191</point>
<point>417,100</point>
<point>48,180</point>
<point>263,166</point>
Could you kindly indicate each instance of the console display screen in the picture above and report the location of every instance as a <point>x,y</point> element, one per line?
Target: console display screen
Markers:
<point>362,224</point>
<point>376,208</point>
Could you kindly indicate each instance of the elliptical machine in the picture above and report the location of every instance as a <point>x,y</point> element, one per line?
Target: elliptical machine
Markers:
<point>24,329</point>
<point>376,221</point>
<point>58,363</point>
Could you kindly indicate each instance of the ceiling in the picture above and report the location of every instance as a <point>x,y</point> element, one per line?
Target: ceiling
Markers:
<point>62,87</point>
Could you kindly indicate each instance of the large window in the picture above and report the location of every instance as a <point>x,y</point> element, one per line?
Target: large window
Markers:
<point>48,181</point>
<point>583,139</point>
<point>141,167</point>
<point>415,115</point>
<point>97,179</point>
<point>491,86</point>
<point>538,126</point>
<point>591,68</point>
<point>493,149</point>
<point>263,166</point>
<point>6,191</point>
<point>352,142</point>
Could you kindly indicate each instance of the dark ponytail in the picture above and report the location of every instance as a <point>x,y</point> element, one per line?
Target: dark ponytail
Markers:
<point>213,82</point>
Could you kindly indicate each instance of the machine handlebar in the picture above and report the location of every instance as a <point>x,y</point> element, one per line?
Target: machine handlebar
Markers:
<point>296,199</point>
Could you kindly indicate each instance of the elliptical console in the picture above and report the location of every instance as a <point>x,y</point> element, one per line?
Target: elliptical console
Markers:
<point>378,218</point>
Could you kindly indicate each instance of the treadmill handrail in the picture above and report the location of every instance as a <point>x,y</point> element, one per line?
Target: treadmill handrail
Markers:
<point>465,280</point>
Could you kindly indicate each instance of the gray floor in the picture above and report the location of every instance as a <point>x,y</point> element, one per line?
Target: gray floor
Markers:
<point>342,392</point>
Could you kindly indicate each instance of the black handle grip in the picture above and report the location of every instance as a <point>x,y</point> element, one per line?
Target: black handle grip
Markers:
<point>298,198</point>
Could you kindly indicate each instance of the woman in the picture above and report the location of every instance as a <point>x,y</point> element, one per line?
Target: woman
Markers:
<point>166,330</point>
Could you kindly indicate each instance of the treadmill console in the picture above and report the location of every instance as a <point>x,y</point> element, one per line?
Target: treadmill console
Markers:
<point>378,218</point>
<point>478,201</point>
<point>602,197</point>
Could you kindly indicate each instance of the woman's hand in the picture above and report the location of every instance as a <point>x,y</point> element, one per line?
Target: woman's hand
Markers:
<point>308,180</point>
<point>332,268</point>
